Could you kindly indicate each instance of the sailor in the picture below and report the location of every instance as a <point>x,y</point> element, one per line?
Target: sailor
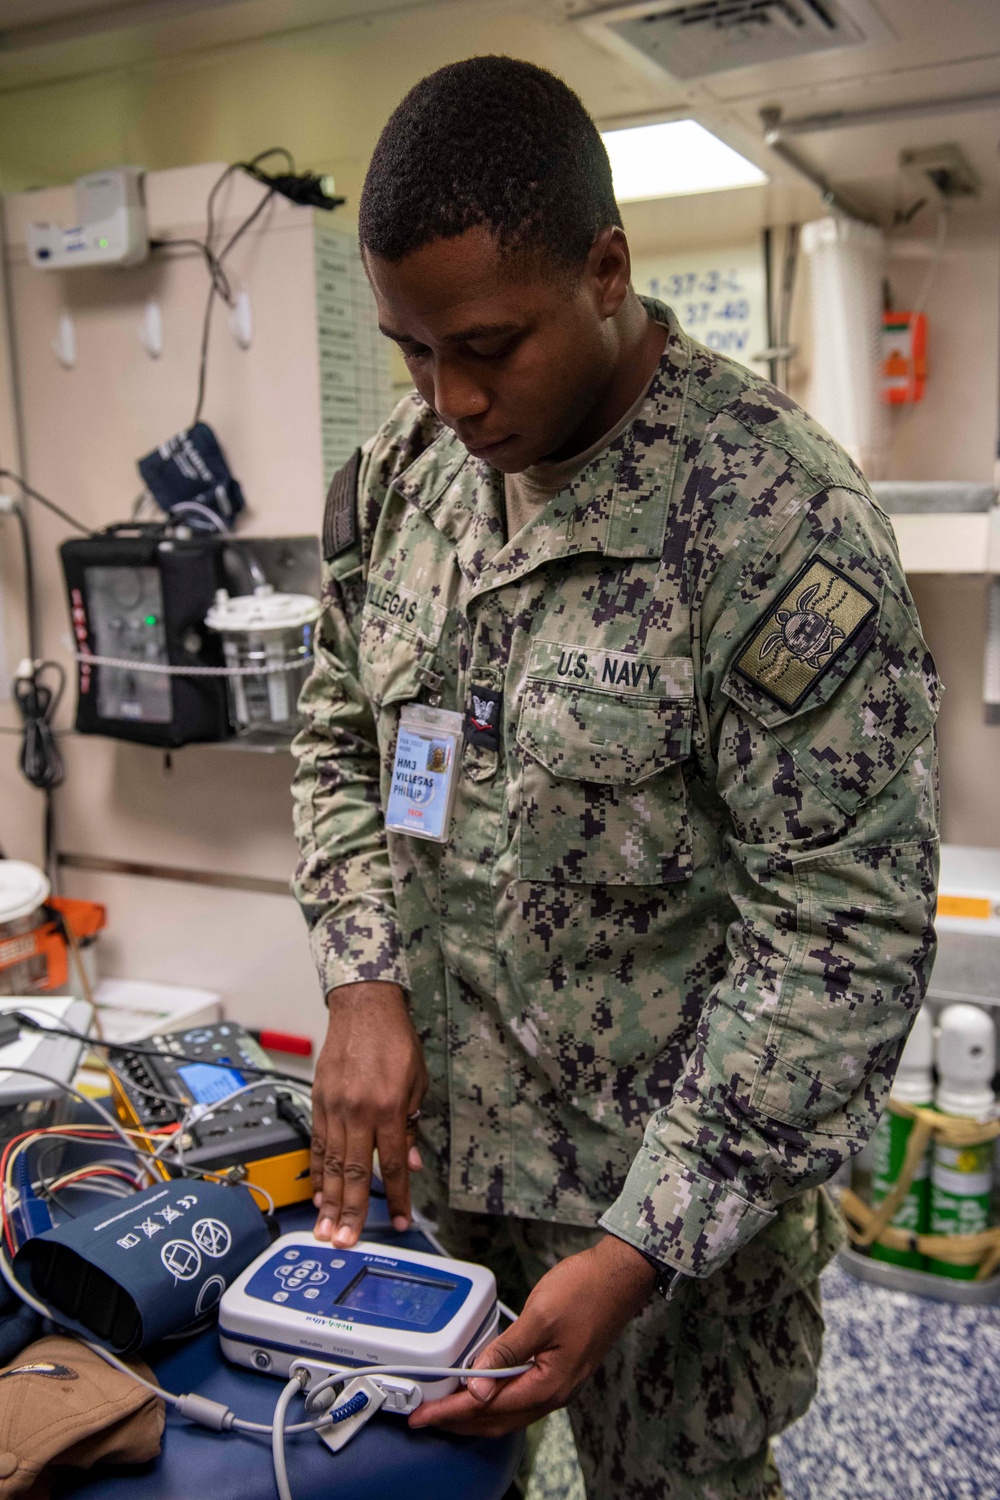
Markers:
<point>648,990</point>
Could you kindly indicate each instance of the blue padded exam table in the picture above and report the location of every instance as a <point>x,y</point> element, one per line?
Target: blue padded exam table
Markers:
<point>385,1461</point>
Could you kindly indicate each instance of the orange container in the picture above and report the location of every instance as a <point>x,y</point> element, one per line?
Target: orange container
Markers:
<point>904,357</point>
<point>33,930</point>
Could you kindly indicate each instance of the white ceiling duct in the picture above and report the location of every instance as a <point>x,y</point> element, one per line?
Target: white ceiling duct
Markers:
<point>695,38</point>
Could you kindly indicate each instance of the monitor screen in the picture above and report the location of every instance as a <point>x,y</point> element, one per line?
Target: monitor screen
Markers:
<point>125,608</point>
<point>207,1084</point>
<point>387,1294</point>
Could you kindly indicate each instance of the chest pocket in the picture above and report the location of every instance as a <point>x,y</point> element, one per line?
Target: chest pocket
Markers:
<point>400,632</point>
<point>602,789</point>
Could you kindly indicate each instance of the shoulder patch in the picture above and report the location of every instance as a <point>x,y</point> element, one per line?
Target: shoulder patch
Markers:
<point>816,618</point>
<point>340,518</point>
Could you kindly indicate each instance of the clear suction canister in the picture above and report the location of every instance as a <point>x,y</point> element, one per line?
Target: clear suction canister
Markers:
<point>267,641</point>
<point>24,891</point>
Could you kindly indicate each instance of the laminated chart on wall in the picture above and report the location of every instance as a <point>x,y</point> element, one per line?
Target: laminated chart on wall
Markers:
<point>354,381</point>
<point>717,295</point>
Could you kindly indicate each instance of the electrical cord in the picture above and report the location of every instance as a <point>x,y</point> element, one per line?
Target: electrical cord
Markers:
<point>218,1417</point>
<point>34,494</point>
<point>215,269</point>
<point>194,507</point>
<point>50,1187</point>
<point>920,302</point>
<point>41,761</point>
<point>30,600</point>
<point>107,1119</point>
<point>299,187</point>
<point>300,1373</point>
<point>289,1392</point>
<point>410,1372</point>
<point>200,1409</point>
<point>206,327</point>
<point>266,1074</point>
<point>198,1112</point>
<point>289,1080</point>
<point>24,1019</point>
<point>141,1155</point>
<point>219,284</point>
<point>215,1415</point>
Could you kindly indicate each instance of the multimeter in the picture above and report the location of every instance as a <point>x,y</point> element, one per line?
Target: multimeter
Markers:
<point>305,1300</point>
<point>262,1133</point>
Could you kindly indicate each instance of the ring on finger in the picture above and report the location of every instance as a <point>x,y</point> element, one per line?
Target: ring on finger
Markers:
<point>412,1119</point>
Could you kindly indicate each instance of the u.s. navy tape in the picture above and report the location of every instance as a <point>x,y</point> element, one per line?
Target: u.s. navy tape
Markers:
<point>135,1269</point>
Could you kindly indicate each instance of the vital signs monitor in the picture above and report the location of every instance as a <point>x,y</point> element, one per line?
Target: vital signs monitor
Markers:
<point>370,1305</point>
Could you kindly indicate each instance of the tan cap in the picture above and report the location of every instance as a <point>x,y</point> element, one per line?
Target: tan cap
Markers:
<point>62,1404</point>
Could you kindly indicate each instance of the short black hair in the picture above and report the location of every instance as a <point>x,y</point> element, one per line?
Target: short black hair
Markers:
<point>489,141</point>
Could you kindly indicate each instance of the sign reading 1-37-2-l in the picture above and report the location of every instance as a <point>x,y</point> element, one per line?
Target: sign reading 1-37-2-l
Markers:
<point>718,296</point>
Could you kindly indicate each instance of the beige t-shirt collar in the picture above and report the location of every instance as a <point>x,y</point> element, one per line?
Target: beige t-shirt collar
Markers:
<point>528,492</point>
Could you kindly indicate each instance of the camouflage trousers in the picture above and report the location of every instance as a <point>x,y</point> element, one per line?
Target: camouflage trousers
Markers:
<point>685,1403</point>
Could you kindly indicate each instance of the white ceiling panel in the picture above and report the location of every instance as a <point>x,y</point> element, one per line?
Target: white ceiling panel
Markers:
<point>31,24</point>
<point>919,50</point>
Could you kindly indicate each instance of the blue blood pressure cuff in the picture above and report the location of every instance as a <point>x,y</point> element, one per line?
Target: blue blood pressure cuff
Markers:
<point>189,478</point>
<point>136,1269</point>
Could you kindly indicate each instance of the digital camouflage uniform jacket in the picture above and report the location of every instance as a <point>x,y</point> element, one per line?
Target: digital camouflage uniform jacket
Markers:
<point>665,966</point>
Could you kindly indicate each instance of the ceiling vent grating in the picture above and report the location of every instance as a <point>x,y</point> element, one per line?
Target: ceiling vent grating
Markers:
<point>693,38</point>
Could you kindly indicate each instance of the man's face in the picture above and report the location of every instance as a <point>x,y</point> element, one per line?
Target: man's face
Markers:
<point>511,355</point>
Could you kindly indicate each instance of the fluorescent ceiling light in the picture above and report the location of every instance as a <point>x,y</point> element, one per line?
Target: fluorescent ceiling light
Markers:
<point>673,158</point>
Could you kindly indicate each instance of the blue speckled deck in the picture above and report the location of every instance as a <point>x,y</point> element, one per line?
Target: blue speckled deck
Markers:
<point>908,1406</point>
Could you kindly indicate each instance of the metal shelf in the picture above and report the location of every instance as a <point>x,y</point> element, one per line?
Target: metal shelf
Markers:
<point>259,741</point>
<point>923,1283</point>
<point>943,527</point>
<point>944,543</point>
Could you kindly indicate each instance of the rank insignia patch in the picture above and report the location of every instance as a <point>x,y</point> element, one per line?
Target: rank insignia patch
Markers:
<point>815,619</point>
<point>482,717</point>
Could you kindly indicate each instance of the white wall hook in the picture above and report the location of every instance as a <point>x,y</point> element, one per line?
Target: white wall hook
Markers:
<point>64,343</point>
<point>241,320</point>
<point>151,329</point>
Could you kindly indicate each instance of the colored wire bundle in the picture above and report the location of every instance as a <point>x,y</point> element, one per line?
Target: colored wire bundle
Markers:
<point>114,1171</point>
<point>115,1177</point>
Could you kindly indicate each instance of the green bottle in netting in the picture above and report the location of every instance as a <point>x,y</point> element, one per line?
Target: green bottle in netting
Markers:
<point>914,1084</point>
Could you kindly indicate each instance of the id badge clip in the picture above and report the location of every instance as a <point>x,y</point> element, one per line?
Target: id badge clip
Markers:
<point>425,772</point>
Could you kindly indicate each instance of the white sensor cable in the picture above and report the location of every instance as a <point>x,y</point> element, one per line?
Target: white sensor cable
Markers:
<point>217,1417</point>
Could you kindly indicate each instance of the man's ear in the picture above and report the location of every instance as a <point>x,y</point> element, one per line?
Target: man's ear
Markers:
<point>609,270</point>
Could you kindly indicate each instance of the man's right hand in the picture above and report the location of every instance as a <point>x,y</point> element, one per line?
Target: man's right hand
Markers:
<point>370,1076</point>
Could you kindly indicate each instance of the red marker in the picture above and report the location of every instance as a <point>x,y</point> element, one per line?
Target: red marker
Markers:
<point>283,1041</point>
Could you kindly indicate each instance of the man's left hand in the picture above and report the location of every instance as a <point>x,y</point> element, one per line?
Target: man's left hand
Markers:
<point>569,1323</point>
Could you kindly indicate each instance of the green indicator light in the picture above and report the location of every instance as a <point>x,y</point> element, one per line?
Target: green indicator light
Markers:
<point>103,244</point>
<point>150,619</point>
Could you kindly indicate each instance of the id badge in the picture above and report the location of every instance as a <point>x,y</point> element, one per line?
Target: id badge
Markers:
<point>425,772</point>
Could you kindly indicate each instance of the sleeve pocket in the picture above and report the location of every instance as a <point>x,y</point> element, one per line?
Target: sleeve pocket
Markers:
<point>864,947</point>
